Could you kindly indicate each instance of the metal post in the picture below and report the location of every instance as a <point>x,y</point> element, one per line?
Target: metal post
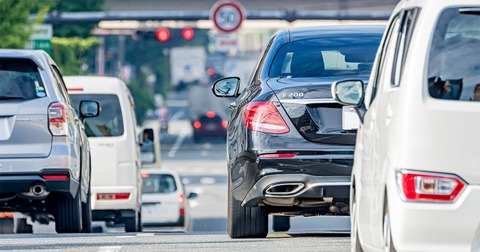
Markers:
<point>100,58</point>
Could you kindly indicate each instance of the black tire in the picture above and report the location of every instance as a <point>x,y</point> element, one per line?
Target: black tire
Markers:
<point>22,227</point>
<point>140,225</point>
<point>68,217</point>
<point>6,226</point>
<point>281,223</point>
<point>87,215</point>
<point>131,223</point>
<point>245,222</point>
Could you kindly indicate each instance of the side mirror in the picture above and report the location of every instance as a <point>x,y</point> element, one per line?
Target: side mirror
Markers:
<point>350,93</point>
<point>89,109</point>
<point>192,195</point>
<point>147,146</point>
<point>226,87</point>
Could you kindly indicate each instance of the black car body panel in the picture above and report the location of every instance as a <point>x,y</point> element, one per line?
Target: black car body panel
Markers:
<point>315,157</point>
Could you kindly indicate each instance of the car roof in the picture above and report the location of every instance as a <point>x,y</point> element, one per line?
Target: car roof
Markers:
<point>295,34</point>
<point>40,57</point>
<point>94,84</point>
<point>160,171</point>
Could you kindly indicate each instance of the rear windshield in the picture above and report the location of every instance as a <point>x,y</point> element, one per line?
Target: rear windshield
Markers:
<point>110,121</point>
<point>326,57</point>
<point>159,183</point>
<point>20,80</point>
<point>454,61</point>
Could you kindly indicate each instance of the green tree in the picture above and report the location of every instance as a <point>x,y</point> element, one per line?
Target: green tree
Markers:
<point>75,30</point>
<point>15,24</point>
<point>72,54</point>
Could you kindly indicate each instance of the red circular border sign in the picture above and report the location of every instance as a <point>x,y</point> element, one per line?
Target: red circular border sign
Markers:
<point>218,6</point>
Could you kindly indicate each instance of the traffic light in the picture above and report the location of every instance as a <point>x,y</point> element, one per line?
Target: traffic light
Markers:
<point>162,34</point>
<point>188,33</point>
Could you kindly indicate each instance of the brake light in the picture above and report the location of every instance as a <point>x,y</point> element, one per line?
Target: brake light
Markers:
<point>277,155</point>
<point>145,175</point>
<point>181,202</point>
<point>263,116</point>
<point>418,186</point>
<point>55,177</point>
<point>57,116</point>
<point>113,196</point>
<point>197,125</point>
<point>210,114</point>
<point>224,124</point>
<point>74,89</point>
<point>6,215</point>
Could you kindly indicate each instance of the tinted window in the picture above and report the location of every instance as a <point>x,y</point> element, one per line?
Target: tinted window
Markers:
<point>159,183</point>
<point>454,61</point>
<point>109,122</point>
<point>20,80</point>
<point>325,57</point>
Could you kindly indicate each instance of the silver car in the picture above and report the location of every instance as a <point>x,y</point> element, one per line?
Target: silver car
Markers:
<point>44,153</point>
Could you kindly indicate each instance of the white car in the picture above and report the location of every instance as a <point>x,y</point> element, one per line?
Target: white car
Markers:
<point>416,175</point>
<point>164,199</point>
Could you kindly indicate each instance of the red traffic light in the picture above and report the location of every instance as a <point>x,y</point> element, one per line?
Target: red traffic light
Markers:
<point>162,34</point>
<point>188,33</point>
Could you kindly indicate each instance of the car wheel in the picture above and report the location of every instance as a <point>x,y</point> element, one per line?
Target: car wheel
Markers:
<point>281,223</point>
<point>22,227</point>
<point>245,222</point>
<point>131,223</point>
<point>387,232</point>
<point>68,217</point>
<point>140,225</point>
<point>6,226</point>
<point>87,215</point>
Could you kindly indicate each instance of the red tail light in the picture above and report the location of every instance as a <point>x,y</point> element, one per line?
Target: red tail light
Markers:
<point>57,116</point>
<point>181,202</point>
<point>113,196</point>
<point>419,186</point>
<point>277,155</point>
<point>263,116</point>
<point>224,124</point>
<point>145,175</point>
<point>197,125</point>
<point>55,177</point>
<point>75,89</point>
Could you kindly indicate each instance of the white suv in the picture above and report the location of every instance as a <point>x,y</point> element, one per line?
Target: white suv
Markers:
<point>416,175</point>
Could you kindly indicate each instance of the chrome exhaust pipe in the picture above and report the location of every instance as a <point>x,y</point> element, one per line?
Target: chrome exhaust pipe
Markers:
<point>36,191</point>
<point>284,189</point>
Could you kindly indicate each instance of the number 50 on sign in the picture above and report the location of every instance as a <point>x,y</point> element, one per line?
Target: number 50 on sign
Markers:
<point>227,15</point>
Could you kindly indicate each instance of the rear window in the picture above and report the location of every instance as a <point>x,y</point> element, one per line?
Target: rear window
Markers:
<point>326,57</point>
<point>20,80</point>
<point>454,60</point>
<point>110,121</point>
<point>158,183</point>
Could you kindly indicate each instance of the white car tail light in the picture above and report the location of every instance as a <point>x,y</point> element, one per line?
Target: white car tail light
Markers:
<point>57,117</point>
<point>263,116</point>
<point>419,186</point>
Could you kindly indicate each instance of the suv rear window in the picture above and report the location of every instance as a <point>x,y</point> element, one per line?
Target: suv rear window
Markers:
<point>326,57</point>
<point>159,183</point>
<point>20,80</point>
<point>110,121</point>
<point>454,61</point>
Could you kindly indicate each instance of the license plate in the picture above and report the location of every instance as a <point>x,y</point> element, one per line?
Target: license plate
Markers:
<point>350,120</point>
<point>211,126</point>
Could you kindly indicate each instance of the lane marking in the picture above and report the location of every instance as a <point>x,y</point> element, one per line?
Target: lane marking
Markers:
<point>177,145</point>
<point>146,234</point>
<point>109,249</point>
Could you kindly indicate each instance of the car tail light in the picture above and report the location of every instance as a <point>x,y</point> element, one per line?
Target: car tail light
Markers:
<point>145,175</point>
<point>277,155</point>
<point>74,89</point>
<point>197,125</point>
<point>224,124</point>
<point>57,116</point>
<point>181,203</point>
<point>113,196</point>
<point>419,186</point>
<point>55,177</point>
<point>263,116</point>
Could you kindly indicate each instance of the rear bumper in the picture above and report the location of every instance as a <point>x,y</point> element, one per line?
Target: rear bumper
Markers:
<point>132,203</point>
<point>21,182</point>
<point>301,187</point>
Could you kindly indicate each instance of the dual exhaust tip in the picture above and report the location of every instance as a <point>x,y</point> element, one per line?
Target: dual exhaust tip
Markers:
<point>284,189</point>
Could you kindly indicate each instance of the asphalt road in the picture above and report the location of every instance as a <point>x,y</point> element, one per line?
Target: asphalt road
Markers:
<point>203,169</point>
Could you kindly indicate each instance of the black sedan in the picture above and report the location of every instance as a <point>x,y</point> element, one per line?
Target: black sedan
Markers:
<point>289,144</point>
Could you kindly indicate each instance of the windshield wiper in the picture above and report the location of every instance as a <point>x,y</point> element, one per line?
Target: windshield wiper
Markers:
<point>11,97</point>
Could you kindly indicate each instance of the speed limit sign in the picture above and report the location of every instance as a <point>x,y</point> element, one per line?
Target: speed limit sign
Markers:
<point>227,15</point>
